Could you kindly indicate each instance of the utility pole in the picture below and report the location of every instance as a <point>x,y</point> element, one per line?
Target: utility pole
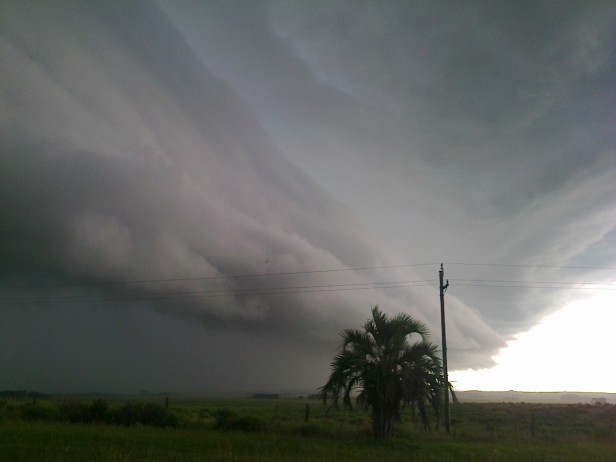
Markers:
<point>443,289</point>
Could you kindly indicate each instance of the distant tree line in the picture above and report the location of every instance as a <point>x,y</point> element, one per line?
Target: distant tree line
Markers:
<point>265,396</point>
<point>23,394</point>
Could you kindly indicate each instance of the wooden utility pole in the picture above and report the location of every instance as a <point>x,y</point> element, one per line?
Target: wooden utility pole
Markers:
<point>446,388</point>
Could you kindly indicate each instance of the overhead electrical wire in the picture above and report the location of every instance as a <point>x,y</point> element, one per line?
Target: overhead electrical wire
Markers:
<point>533,266</point>
<point>290,273</point>
<point>260,291</point>
<point>227,292</point>
<point>206,278</point>
<point>531,282</point>
<point>153,295</point>
<point>536,287</point>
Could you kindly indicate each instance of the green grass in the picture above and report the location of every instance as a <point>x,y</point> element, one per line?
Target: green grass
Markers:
<point>481,432</point>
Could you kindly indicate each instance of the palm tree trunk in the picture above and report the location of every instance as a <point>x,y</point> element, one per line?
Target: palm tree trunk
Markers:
<point>383,421</point>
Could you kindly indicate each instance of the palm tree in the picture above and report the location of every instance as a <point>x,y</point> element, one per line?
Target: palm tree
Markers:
<point>388,368</point>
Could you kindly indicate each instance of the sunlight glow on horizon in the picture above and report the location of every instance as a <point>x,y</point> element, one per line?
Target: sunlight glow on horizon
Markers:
<point>571,349</point>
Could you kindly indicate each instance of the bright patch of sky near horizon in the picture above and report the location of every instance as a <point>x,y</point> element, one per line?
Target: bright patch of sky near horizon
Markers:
<point>570,350</point>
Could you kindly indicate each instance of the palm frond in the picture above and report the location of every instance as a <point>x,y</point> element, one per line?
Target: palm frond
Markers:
<point>380,362</point>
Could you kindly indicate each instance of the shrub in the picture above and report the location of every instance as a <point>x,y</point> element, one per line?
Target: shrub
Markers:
<point>223,417</point>
<point>311,429</point>
<point>226,419</point>
<point>98,411</point>
<point>73,412</point>
<point>247,424</point>
<point>39,412</point>
<point>144,414</point>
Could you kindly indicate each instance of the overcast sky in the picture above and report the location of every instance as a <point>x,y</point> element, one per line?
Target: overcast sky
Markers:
<point>150,152</point>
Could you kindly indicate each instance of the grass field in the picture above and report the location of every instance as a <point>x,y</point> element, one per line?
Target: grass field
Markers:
<point>276,430</point>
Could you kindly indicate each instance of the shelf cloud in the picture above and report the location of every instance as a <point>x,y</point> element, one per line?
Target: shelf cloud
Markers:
<point>173,187</point>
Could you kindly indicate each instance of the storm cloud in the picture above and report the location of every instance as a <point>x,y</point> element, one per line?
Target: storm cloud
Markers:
<point>151,153</point>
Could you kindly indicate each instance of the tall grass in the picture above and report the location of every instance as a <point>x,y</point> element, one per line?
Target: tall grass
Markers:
<point>275,430</point>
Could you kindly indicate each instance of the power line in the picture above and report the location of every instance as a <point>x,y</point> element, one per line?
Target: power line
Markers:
<point>534,287</point>
<point>256,291</point>
<point>219,277</point>
<point>227,293</point>
<point>535,266</point>
<point>290,273</point>
<point>534,282</point>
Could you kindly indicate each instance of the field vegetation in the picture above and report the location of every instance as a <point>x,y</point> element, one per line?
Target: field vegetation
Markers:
<point>295,429</point>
